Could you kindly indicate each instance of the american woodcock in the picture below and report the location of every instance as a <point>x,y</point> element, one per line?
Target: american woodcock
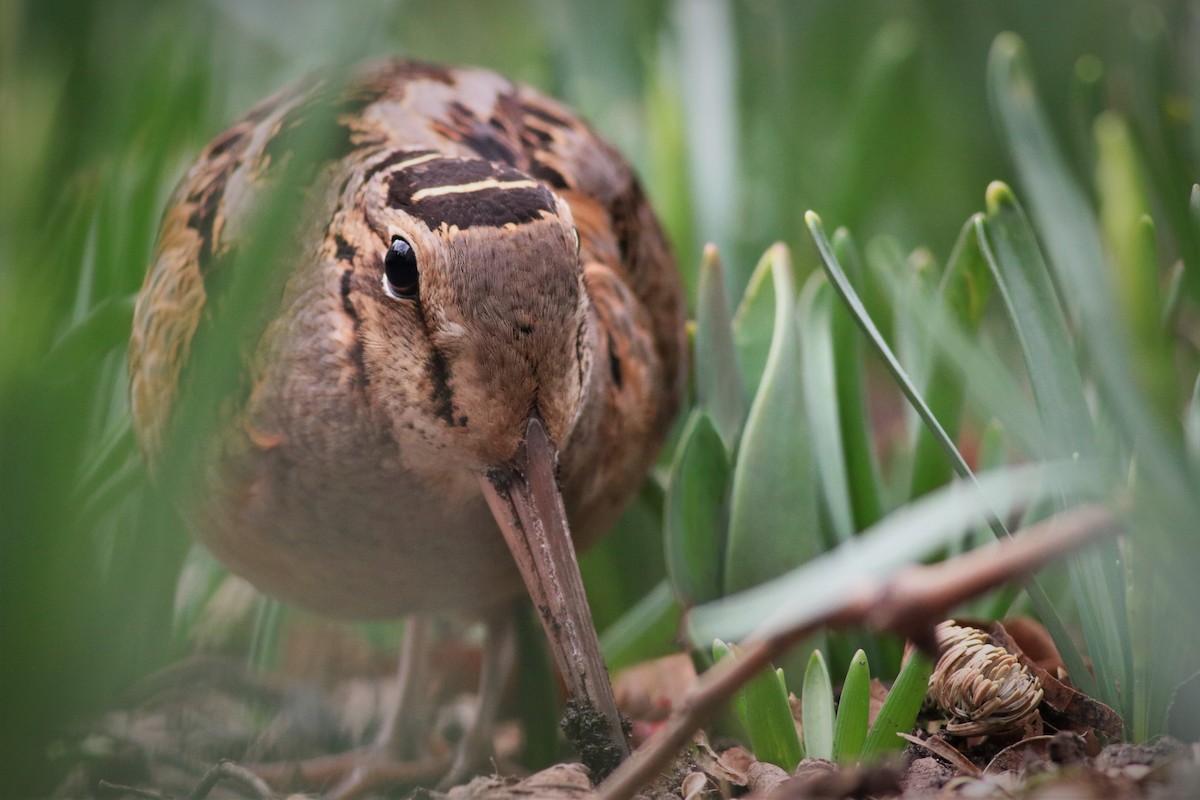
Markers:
<point>483,326</point>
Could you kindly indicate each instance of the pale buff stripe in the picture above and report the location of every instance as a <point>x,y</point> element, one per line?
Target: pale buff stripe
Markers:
<point>477,186</point>
<point>412,162</point>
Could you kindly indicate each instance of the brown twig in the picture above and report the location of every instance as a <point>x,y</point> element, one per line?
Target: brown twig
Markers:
<point>227,770</point>
<point>942,749</point>
<point>222,770</point>
<point>332,770</point>
<point>907,604</point>
<point>120,790</point>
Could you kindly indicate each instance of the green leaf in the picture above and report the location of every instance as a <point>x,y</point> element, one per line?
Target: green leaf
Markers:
<point>719,385</point>
<point>628,562</point>
<point>963,292</point>
<point>539,707</point>
<point>850,730</point>
<point>1073,241</point>
<point>648,630</point>
<point>1023,282</point>
<point>773,509</point>
<point>1085,101</point>
<point>997,384</point>
<point>862,462</point>
<point>694,524</point>
<point>880,108</point>
<point>665,168</point>
<point>905,536</point>
<point>833,269</point>
<point>1191,424</point>
<point>265,634</point>
<point>1069,229</point>
<point>763,709</point>
<point>821,401</point>
<point>900,709</point>
<point>1194,219</point>
<point>992,390</point>
<point>1172,295</point>
<point>107,324</point>
<point>816,709</point>
<point>1129,233</point>
<point>852,301</point>
<point>754,324</point>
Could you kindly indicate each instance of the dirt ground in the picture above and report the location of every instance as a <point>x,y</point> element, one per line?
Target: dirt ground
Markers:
<point>170,739</point>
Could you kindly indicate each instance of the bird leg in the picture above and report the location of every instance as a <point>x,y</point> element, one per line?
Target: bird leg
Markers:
<point>395,755</point>
<point>499,658</point>
<point>526,502</point>
<point>407,718</point>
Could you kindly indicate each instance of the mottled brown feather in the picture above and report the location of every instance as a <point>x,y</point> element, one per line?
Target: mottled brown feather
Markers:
<point>344,482</point>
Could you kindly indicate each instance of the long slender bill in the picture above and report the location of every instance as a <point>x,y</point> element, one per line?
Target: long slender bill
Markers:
<point>527,505</point>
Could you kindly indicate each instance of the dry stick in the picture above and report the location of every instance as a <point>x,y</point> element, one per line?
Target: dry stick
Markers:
<point>908,604</point>
<point>227,770</point>
<point>222,770</point>
<point>329,770</point>
<point>120,790</point>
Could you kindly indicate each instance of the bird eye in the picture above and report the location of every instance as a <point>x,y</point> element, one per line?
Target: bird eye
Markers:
<point>400,276</point>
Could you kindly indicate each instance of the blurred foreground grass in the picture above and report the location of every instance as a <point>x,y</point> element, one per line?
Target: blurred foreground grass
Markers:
<point>740,116</point>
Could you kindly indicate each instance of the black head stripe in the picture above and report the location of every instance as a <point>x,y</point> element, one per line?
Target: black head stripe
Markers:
<point>414,190</point>
<point>394,158</point>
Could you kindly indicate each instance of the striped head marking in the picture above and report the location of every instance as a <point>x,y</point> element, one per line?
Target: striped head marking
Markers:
<point>480,309</point>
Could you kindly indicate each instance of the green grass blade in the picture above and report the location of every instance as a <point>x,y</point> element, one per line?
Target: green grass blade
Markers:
<point>265,633</point>
<point>890,60</point>
<point>1072,237</point>
<point>1023,281</point>
<point>1129,234</point>
<point>1085,101</point>
<point>694,522</point>
<point>862,462</point>
<point>719,387</point>
<point>963,293</point>
<point>992,391</point>
<point>109,321</point>
<point>1074,244</point>
<point>1191,424</point>
<point>900,709</point>
<point>1194,219</point>
<point>708,52</point>
<point>1172,295</point>
<point>763,709</point>
<point>816,709</point>
<point>905,536</point>
<point>628,562</point>
<point>850,729</point>
<point>648,630</point>
<point>820,399</point>
<point>665,168</point>
<point>773,508</point>
<point>1045,608</point>
<point>850,298</point>
<point>536,692</point>
<point>887,260</point>
<point>753,324</point>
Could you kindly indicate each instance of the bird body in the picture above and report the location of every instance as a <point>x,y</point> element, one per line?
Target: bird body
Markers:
<point>472,256</point>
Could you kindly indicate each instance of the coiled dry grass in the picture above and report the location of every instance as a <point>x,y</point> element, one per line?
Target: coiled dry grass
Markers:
<point>981,687</point>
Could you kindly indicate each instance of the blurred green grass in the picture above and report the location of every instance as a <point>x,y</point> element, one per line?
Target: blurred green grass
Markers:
<point>874,113</point>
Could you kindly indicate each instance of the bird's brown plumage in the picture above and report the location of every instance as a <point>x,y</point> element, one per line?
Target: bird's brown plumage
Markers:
<point>345,479</point>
